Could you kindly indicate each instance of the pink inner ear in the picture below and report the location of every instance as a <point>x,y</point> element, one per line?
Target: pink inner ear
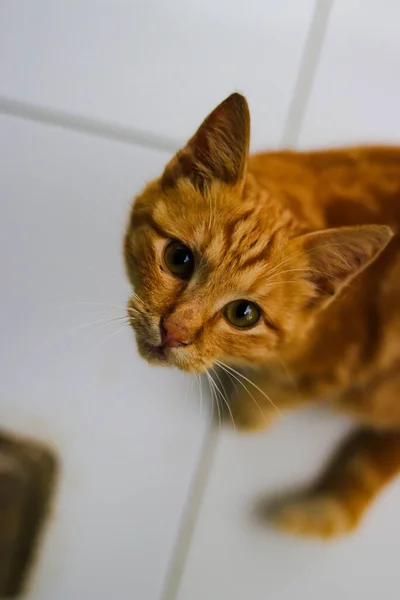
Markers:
<point>337,255</point>
<point>323,285</point>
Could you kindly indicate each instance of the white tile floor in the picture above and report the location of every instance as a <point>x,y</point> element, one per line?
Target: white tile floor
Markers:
<point>94,96</point>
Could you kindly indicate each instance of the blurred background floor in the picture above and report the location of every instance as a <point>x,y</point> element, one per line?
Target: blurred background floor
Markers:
<point>95,96</point>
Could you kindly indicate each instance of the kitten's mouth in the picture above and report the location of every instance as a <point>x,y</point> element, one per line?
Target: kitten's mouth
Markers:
<point>163,355</point>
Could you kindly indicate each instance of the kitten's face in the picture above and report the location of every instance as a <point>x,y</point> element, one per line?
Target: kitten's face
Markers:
<point>216,273</point>
<point>205,269</point>
<point>205,258</point>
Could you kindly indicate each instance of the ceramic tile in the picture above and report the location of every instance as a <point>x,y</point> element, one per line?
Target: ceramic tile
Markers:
<point>356,91</point>
<point>237,554</point>
<point>154,66</point>
<point>128,440</point>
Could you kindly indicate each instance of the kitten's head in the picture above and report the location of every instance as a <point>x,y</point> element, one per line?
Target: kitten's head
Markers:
<point>218,268</point>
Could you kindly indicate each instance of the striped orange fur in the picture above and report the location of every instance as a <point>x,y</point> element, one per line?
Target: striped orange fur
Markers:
<point>310,239</point>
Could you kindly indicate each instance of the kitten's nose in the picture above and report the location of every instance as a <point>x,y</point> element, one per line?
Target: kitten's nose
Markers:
<point>174,334</point>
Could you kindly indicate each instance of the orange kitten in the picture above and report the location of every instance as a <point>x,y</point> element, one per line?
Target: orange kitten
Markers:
<point>284,262</point>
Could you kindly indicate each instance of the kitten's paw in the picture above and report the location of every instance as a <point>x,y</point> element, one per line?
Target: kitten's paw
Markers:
<point>321,517</point>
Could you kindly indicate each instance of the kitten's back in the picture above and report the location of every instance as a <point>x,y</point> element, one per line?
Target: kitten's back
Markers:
<point>333,188</point>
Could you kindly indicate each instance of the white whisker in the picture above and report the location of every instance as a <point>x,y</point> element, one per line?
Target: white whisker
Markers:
<point>224,397</point>
<point>213,387</point>
<point>289,271</point>
<point>198,379</point>
<point>107,321</point>
<point>251,383</point>
<point>212,401</point>
<point>248,391</point>
<point>110,336</point>
<point>278,266</point>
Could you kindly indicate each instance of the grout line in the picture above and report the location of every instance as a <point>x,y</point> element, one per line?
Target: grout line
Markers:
<point>110,131</point>
<point>180,552</point>
<point>307,71</point>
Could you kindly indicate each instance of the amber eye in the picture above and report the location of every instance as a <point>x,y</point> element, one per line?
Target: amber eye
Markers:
<point>179,259</point>
<point>242,313</point>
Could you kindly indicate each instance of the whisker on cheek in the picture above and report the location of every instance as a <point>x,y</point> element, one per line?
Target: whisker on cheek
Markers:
<point>224,397</point>
<point>237,374</point>
<point>199,382</point>
<point>110,336</point>
<point>215,398</point>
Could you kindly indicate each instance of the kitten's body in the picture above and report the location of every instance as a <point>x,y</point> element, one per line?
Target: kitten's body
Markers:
<point>356,339</point>
<point>305,238</point>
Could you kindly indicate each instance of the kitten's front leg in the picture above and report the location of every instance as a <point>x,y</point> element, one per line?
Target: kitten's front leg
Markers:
<point>339,500</point>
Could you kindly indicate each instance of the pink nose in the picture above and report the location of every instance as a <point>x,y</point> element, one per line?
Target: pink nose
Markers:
<point>174,334</point>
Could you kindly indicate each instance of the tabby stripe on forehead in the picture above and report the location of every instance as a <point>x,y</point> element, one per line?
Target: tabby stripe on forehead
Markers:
<point>262,256</point>
<point>231,226</point>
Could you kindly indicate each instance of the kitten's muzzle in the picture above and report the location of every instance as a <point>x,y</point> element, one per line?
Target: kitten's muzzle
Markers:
<point>174,334</point>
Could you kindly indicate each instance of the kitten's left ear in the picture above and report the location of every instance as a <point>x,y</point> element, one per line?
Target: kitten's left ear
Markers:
<point>217,151</point>
<point>336,256</point>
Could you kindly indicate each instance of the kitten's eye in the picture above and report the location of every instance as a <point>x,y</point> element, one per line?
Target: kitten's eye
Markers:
<point>242,313</point>
<point>179,259</point>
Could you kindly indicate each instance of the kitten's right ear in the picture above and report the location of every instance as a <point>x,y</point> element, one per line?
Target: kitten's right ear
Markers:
<point>336,256</point>
<point>217,151</point>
